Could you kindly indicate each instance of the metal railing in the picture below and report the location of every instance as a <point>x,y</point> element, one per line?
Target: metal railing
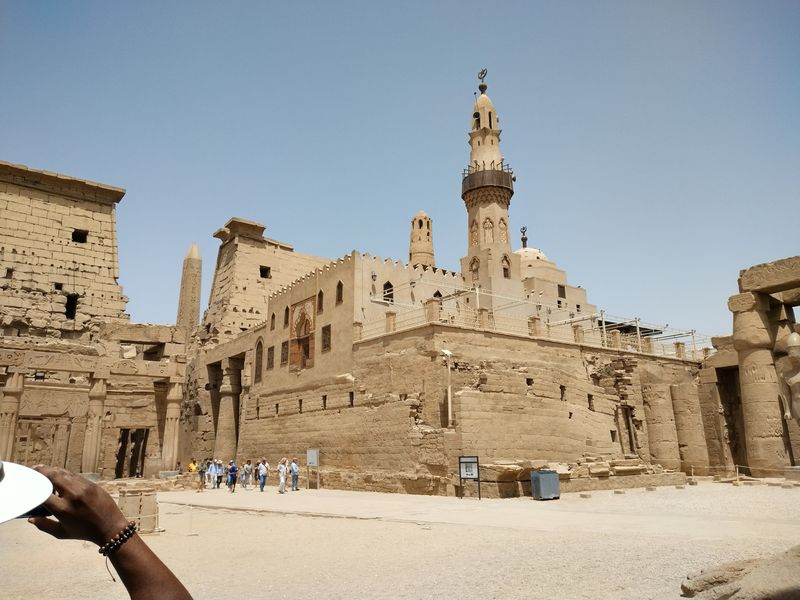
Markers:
<point>586,330</point>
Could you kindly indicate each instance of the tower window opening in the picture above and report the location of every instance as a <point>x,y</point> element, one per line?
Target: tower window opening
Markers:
<point>80,236</point>
<point>388,292</point>
<point>339,292</point>
<point>590,398</point>
<point>490,120</point>
<point>352,398</point>
<point>477,117</point>
<point>326,338</point>
<point>9,273</point>
<point>563,390</point>
<point>286,317</point>
<point>320,301</point>
<point>257,368</point>
<point>71,308</point>
<point>300,405</point>
<point>284,354</point>
<point>324,402</point>
<point>562,291</point>
<point>264,272</point>
<point>277,408</point>
<point>420,223</point>
<point>272,321</point>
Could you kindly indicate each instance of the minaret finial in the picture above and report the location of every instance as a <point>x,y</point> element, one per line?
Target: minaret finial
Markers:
<point>523,231</point>
<point>482,75</point>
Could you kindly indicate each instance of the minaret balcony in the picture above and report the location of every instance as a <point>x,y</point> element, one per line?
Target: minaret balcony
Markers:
<point>502,177</point>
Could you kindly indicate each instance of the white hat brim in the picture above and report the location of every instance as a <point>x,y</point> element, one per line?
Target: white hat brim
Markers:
<point>21,490</point>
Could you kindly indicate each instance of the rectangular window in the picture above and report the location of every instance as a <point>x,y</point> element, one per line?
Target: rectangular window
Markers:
<point>352,398</point>
<point>300,405</point>
<point>562,291</point>
<point>613,436</point>
<point>71,309</point>
<point>339,292</point>
<point>577,308</point>
<point>326,338</point>
<point>277,408</point>
<point>39,376</point>
<point>58,286</point>
<point>591,402</point>
<point>80,236</point>
<point>507,272</point>
<point>284,354</point>
<point>271,357</point>
<point>324,402</point>
<point>529,381</point>
<point>563,391</point>
<point>264,272</point>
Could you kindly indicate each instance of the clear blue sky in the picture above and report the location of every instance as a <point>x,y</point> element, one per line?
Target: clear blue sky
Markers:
<point>656,144</point>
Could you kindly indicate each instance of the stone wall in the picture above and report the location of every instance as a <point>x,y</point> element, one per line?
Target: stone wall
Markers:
<point>384,426</point>
<point>58,247</point>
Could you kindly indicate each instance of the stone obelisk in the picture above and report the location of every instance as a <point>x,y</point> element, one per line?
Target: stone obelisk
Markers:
<point>189,301</point>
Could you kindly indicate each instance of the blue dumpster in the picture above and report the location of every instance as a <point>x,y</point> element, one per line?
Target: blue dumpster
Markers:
<point>545,485</point>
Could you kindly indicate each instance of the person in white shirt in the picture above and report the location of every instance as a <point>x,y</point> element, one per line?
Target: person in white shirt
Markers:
<point>263,472</point>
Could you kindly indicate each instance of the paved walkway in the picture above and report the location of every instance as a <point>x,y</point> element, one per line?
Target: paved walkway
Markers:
<point>707,511</point>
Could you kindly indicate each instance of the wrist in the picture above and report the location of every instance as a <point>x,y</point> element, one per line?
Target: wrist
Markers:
<point>110,529</point>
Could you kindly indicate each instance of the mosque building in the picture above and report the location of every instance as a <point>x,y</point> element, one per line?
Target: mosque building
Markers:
<point>390,370</point>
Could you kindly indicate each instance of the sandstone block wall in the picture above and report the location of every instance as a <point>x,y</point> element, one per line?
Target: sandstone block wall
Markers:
<point>41,264</point>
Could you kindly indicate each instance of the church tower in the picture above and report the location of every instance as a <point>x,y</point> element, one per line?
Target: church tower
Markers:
<point>189,299</point>
<point>486,189</point>
<point>420,250</point>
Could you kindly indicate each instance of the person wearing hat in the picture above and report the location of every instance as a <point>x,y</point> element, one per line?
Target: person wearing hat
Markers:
<point>82,510</point>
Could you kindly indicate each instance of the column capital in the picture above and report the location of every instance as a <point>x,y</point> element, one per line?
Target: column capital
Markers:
<point>748,301</point>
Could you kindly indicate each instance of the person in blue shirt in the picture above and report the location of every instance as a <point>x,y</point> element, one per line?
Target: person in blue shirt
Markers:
<point>295,471</point>
<point>233,471</point>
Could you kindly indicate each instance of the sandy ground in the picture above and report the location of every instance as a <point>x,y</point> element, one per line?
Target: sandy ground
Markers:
<point>336,544</point>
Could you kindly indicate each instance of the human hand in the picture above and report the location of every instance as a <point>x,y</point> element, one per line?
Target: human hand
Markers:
<point>84,510</point>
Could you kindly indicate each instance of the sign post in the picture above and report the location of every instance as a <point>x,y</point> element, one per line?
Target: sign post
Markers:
<point>312,460</point>
<point>469,469</point>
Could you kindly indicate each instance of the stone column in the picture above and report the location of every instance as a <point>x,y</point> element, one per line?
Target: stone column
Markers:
<point>94,425</point>
<point>616,339</point>
<point>433,308</point>
<point>534,326</point>
<point>753,340</point>
<point>9,410</point>
<point>689,425</point>
<point>660,418</point>
<point>169,450</point>
<point>391,321</point>
<point>226,443</point>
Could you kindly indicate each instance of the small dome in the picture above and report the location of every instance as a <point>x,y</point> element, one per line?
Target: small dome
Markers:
<point>530,254</point>
<point>421,215</point>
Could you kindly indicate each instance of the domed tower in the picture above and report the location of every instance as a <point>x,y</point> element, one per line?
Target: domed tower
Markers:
<point>486,189</point>
<point>420,250</point>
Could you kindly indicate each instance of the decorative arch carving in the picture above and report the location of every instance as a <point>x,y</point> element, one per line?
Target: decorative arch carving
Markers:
<point>488,231</point>
<point>502,229</point>
<point>473,234</point>
<point>474,268</point>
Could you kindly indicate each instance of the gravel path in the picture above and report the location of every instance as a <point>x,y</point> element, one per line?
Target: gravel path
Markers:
<point>637,545</point>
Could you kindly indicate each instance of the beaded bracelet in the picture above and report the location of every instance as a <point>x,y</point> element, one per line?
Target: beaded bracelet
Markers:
<point>119,539</point>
